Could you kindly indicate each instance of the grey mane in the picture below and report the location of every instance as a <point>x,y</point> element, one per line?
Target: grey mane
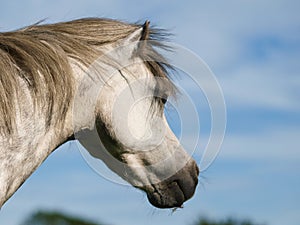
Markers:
<point>39,55</point>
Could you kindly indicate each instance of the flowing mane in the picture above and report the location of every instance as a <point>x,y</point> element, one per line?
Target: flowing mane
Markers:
<point>39,55</point>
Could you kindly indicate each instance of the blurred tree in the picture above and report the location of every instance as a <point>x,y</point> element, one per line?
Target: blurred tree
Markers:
<point>229,221</point>
<point>55,218</point>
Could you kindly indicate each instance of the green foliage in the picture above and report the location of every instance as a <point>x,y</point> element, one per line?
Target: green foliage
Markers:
<point>229,221</point>
<point>55,218</point>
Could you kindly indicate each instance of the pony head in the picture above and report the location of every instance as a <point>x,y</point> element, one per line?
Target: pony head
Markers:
<point>131,134</point>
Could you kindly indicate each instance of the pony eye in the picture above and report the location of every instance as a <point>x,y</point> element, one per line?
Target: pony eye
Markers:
<point>164,100</point>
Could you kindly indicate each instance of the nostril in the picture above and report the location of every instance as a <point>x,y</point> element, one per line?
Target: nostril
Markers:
<point>194,170</point>
<point>197,169</point>
<point>187,187</point>
<point>187,179</point>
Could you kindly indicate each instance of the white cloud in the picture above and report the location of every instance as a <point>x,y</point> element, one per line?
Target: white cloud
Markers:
<point>217,31</point>
<point>281,144</point>
<point>262,86</point>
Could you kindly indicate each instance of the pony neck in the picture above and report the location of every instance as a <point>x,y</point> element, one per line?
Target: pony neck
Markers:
<point>22,152</point>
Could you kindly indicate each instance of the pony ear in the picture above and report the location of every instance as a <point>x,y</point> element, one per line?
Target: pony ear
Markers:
<point>140,36</point>
<point>146,31</point>
<point>144,36</point>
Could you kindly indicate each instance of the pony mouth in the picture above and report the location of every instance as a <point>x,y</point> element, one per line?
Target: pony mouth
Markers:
<point>174,191</point>
<point>170,197</point>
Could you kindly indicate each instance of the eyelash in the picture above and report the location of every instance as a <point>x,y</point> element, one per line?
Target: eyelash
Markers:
<point>161,96</point>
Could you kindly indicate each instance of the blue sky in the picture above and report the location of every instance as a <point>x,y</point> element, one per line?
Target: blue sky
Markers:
<point>253,48</point>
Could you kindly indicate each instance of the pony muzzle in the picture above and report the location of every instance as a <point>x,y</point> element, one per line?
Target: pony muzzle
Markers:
<point>174,191</point>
